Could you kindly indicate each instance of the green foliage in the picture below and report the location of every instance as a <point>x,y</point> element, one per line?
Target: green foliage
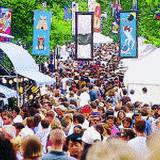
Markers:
<point>22,20</point>
<point>149,27</point>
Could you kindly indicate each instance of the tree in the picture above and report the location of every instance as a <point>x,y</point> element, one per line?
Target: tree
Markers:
<point>22,19</point>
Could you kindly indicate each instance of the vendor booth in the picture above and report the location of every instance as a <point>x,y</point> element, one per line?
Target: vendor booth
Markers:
<point>25,69</point>
<point>24,64</point>
<point>144,73</point>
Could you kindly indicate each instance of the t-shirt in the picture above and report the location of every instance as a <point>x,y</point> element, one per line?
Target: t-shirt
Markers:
<point>18,119</point>
<point>140,147</point>
<point>84,99</point>
<point>55,155</point>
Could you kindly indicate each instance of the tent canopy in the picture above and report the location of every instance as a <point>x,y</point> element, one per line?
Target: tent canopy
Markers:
<point>8,93</point>
<point>24,64</point>
<point>99,38</point>
<point>144,71</point>
<point>143,51</point>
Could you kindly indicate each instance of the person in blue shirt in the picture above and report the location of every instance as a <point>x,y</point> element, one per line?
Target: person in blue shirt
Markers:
<point>92,93</point>
<point>57,138</point>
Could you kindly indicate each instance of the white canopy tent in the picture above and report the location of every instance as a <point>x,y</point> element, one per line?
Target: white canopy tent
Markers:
<point>143,51</point>
<point>8,93</point>
<point>99,38</point>
<point>144,70</point>
<point>143,73</point>
<point>24,64</point>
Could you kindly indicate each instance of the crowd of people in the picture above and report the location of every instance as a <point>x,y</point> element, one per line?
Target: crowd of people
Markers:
<point>86,115</point>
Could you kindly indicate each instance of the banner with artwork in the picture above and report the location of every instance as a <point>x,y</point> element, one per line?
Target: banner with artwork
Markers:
<point>67,13</point>
<point>116,9</point>
<point>41,35</point>
<point>97,18</point>
<point>5,23</point>
<point>128,35</point>
<point>91,5</point>
<point>74,10</point>
<point>134,5</point>
<point>84,36</point>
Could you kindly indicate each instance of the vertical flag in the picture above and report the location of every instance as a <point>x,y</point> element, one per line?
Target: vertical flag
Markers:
<point>41,35</point>
<point>116,8</point>
<point>135,5</point>
<point>91,5</point>
<point>67,13</point>
<point>84,36</point>
<point>74,10</point>
<point>128,35</point>
<point>5,23</point>
<point>97,18</point>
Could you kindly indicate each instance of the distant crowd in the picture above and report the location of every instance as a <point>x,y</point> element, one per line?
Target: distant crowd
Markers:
<point>86,115</point>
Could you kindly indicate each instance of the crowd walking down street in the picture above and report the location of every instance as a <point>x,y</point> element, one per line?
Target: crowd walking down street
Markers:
<point>86,115</point>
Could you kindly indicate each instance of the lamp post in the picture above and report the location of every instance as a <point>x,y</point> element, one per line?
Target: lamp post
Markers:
<point>57,56</point>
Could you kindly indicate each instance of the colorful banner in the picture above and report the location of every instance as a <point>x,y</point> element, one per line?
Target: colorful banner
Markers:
<point>91,5</point>
<point>67,13</point>
<point>41,37</point>
<point>74,10</point>
<point>84,36</point>
<point>5,23</point>
<point>97,18</point>
<point>116,9</point>
<point>128,35</point>
<point>135,5</point>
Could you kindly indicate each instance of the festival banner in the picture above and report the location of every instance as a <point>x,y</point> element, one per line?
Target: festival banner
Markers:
<point>97,18</point>
<point>67,13</point>
<point>116,9</point>
<point>41,35</point>
<point>135,5</point>
<point>91,5</point>
<point>84,36</point>
<point>5,23</point>
<point>74,10</point>
<point>128,35</point>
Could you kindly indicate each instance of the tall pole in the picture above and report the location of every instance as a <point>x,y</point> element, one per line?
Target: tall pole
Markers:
<point>17,88</point>
<point>54,56</point>
<point>57,56</point>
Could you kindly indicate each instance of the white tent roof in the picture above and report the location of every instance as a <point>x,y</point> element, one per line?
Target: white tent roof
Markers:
<point>24,64</point>
<point>143,51</point>
<point>8,92</point>
<point>144,71</point>
<point>100,38</point>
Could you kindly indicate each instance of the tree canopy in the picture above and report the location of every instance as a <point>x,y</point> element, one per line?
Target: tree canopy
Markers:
<point>22,19</point>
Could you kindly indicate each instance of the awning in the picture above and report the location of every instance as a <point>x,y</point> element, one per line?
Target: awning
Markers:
<point>7,92</point>
<point>24,64</point>
<point>38,77</point>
